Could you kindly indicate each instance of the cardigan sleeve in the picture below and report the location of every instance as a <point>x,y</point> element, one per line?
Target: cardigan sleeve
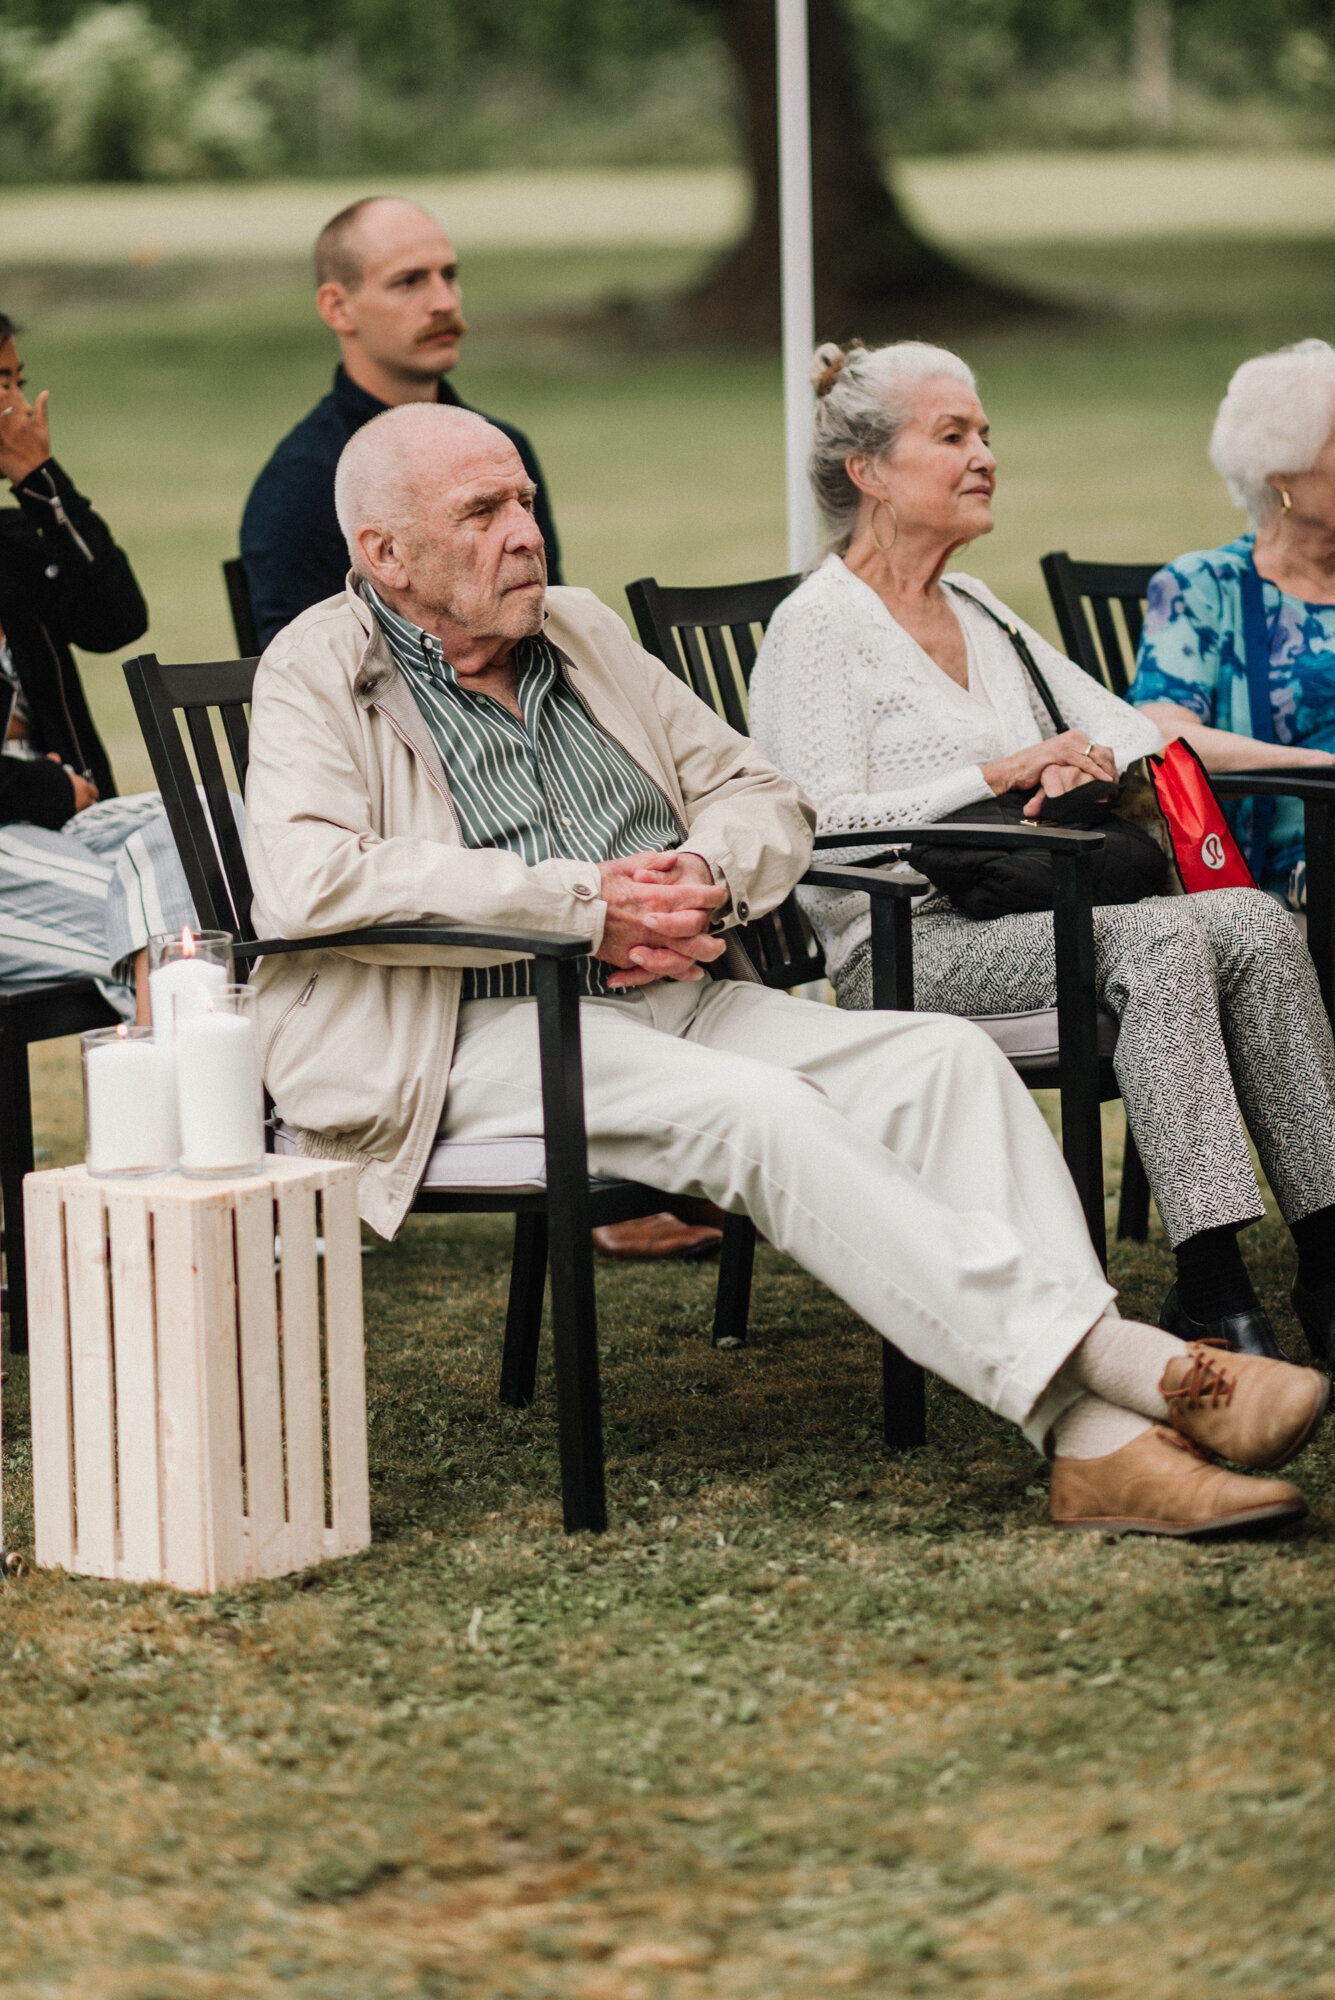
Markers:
<point>809,716</point>
<point>1088,705</point>
<point>1084,702</point>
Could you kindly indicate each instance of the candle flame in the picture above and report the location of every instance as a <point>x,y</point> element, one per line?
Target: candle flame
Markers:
<point>122,1032</point>
<point>188,946</point>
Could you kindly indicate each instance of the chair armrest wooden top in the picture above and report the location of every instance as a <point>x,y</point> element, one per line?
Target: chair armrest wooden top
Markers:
<point>1300,783</point>
<point>1049,839</point>
<point>554,945</point>
<point>865,877</point>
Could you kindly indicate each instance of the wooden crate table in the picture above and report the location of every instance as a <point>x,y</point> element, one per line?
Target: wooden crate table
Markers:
<point>198,1406</point>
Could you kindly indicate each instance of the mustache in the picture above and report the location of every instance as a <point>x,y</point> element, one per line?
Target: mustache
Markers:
<point>451,322</point>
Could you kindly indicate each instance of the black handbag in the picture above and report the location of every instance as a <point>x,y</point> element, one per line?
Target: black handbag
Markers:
<point>987,883</point>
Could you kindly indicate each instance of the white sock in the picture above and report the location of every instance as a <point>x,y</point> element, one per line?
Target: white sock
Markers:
<point>1123,1362</point>
<point>1091,1428</point>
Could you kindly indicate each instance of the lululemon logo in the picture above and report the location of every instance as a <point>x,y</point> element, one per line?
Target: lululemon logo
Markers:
<point>1212,851</point>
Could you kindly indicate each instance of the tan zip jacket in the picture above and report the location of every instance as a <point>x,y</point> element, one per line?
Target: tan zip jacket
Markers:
<point>349,823</point>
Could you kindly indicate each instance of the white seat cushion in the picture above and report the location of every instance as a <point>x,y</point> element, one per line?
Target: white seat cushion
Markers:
<point>482,1166</point>
<point>1030,1039</point>
<point>469,1163</point>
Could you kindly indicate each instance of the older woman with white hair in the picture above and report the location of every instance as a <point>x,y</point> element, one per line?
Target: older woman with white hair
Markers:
<point>1274,444</point>
<point>894,692</point>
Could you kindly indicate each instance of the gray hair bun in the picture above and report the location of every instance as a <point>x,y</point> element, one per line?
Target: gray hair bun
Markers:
<point>826,365</point>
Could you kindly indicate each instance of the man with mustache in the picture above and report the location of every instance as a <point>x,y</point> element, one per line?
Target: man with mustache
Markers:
<point>388,287</point>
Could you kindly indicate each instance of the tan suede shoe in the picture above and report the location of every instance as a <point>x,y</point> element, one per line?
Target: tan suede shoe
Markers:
<point>1241,1406</point>
<point>1160,1484</point>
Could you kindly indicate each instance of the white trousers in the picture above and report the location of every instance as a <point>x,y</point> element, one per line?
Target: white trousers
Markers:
<point>897,1157</point>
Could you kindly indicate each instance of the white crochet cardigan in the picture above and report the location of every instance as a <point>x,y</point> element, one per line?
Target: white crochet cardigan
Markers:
<point>846,702</point>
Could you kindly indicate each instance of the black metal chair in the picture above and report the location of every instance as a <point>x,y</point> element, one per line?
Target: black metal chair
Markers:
<point>707,636</point>
<point>27,1015</point>
<point>237,585</point>
<point>552,1223</point>
<point>1100,613</point>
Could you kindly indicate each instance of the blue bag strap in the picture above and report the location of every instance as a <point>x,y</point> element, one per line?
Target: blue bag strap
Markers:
<point>1256,654</point>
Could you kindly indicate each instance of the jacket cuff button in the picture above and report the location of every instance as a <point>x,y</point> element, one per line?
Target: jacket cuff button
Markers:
<point>743,912</point>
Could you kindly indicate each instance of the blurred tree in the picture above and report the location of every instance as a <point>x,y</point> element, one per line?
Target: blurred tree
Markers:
<point>875,273</point>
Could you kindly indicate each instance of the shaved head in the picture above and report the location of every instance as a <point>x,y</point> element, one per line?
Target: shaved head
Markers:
<point>341,247</point>
<point>389,467</point>
<point>437,510</point>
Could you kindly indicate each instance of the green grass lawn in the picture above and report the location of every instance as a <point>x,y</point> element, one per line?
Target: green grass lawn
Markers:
<point>808,1719</point>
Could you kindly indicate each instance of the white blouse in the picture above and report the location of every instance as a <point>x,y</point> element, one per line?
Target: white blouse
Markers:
<point>847,702</point>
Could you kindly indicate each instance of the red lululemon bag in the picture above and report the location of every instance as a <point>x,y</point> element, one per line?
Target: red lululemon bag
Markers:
<point>1204,849</point>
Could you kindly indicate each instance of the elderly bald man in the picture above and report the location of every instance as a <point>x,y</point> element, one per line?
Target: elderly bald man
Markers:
<point>452,740</point>
<point>387,278</point>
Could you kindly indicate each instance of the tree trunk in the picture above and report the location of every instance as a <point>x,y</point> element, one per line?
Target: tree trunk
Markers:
<point>875,275</point>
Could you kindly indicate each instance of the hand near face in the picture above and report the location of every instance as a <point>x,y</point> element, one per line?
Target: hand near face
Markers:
<point>25,441</point>
<point>659,909</point>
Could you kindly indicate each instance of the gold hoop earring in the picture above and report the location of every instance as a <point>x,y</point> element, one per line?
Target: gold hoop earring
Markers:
<point>884,547</point>
<point>1285,500</point>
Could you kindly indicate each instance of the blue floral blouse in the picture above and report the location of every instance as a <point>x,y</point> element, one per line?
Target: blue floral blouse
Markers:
<point>1192,652</point>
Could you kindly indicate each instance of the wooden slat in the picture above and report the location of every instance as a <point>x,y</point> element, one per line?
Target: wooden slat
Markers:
<point>134,1339</point>
<point>185,1518</point>
<point>302,1400</point>
<point>48,1373</point>
<point>92,1381</point>
<point>215,1319</point>
<point>261,1405</point>
<point>345,1352</point>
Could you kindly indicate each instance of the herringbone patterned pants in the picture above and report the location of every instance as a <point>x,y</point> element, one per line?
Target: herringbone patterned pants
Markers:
<point>1221,1026</point>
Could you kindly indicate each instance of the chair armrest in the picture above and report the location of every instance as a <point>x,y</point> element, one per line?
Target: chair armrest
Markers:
<point>1047,839</point>
<point>553,945</point>
<point>1277,784</point>
<point>864,876</point>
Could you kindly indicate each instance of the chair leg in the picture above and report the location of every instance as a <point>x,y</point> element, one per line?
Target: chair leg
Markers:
<point>570,1250</point>
<point>904,1387</point>
<point>732,1302</point>
<point>1133,1210</point>
<point>15,1161</point>
<point>523,1316</point>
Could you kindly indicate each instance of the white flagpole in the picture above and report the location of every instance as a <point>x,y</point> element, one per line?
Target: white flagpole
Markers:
<point>799,312</point>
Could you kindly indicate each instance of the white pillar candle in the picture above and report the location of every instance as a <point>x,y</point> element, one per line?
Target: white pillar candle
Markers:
<point>180,986</point>
<point>219,1094</point>
<point>131,1108</point>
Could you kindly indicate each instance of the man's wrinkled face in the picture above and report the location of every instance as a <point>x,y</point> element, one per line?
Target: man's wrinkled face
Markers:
<point>407,312</point>
<point>477,557</point>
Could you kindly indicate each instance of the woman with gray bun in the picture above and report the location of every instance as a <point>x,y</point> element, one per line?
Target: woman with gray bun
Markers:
<point>889,688</point>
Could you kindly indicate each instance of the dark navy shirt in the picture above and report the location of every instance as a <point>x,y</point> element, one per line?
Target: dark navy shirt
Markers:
<point>291,543</point>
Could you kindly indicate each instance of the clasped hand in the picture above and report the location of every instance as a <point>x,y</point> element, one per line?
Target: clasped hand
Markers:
<point>659,909</point>
<point>1054,766</point>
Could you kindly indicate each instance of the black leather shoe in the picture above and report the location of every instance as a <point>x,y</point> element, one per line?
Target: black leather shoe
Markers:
<point>1245,1333</point>
<point>1316,1316</point>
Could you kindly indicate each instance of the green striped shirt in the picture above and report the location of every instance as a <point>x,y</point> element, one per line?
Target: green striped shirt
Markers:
<point>552,787</point>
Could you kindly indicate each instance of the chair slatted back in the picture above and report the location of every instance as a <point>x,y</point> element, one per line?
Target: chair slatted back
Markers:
<point>1083,590</point>
<point>180,705</point>
<point>707,636</point>
<point>243,611</point>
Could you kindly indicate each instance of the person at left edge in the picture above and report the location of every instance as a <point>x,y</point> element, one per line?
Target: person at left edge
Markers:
<point>85,876</point>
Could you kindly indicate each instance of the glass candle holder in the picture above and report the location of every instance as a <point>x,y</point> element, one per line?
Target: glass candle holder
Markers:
<point>129,1104</point>
<point>182,970</point>
<point>219,1092</point>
